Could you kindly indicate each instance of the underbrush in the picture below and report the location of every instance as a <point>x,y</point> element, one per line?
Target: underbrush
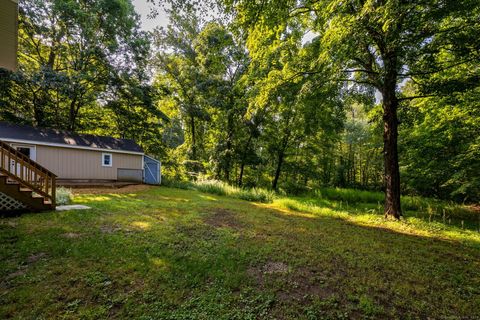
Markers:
<point>224,189</point>
<point>431,208</point>
<point>460,224</point>
<point>349,195</point>
<point>351,200</point>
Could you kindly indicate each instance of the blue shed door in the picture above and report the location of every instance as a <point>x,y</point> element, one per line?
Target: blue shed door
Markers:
<point>151,170</point>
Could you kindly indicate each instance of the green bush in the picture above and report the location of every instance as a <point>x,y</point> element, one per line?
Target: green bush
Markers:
<point>64,196</point>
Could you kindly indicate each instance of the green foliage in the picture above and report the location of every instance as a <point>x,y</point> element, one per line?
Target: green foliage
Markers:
<point>349,195</point>
<point>224,189</point>
<point>368,46</point>
<point>82,68</point>
<point>441,147</point>
<point>178,184</point>
<point>289,96</point>
<point>64,196</point>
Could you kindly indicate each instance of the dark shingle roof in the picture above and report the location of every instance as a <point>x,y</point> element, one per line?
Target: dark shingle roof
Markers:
<point>21,132</point>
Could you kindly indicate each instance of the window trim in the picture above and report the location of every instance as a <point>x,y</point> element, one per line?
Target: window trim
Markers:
<point>33,149</point>
<point>103,159</point>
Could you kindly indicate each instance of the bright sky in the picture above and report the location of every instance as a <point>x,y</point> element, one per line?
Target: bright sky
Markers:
<point>143,8</point>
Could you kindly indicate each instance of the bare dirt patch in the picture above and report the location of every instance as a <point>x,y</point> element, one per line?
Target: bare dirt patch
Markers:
<point>101,190</point>
<point>110,228</point>
<point>223,218</point>
<point>18,273</point>
<point>36,257</point>
<point>260,273</point>
<point>305,283</point>
<point>275,267</point>
<point>71,235</point>
<point>298,285</point>
<point>22,270</point>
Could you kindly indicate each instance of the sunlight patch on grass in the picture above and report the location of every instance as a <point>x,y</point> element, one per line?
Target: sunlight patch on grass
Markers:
<point>188,257</point>
<point>286,210</point>
<point>123,196</point>
<point>159,263</point>
<point>209,198</point>
<point>409,225</point>
<point>142,225</point>
<point>176,199</point>
<point>92,198</point>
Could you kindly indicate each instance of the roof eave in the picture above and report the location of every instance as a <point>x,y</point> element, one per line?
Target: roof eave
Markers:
<point>60,145</point>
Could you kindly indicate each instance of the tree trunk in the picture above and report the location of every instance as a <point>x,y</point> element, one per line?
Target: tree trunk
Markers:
<point>72,115</point>
<point>244,158</point>
<point>390,135</point>
<point>194,147</point>
<point>229,151</point>
<point>278,170</point>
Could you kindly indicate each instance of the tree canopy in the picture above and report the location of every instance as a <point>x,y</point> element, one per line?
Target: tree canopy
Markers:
<point>288,95</point>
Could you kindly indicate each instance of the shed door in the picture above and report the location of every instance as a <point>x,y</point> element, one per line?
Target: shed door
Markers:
<point>152,171</point>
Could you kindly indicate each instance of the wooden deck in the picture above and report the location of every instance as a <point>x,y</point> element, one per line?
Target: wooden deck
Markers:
<point>24,184</point>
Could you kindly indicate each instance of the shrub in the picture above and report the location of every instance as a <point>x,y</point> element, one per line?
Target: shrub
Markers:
<point>64,196</point>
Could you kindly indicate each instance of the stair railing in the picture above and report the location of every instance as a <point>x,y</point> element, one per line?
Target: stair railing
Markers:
<point>23,170</point>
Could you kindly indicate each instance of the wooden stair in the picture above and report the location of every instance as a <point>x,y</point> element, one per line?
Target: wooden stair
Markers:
<point>24,184</point>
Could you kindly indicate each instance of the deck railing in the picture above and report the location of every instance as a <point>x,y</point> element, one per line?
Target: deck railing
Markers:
<point>23,170</point>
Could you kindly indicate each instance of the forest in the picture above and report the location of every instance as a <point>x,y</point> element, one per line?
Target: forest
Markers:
<point>283,95</point>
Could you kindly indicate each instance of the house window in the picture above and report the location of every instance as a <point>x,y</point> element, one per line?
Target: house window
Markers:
<point>106,159</point>
<point>29,151</point>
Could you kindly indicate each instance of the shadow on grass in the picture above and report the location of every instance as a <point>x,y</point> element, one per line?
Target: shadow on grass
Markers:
<point>175,259</point>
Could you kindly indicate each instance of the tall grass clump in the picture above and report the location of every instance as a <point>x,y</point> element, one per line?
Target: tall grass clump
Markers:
<point>349,195</point>
<point>426,208</point>
<point>256,195</point>
<point>63,196</point>
<point>177,184</point>
<point>214,187</point>
<point>224,189</point>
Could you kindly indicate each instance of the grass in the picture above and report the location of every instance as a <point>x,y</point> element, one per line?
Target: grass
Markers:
<point>164,253</point>
<point>224,189</point>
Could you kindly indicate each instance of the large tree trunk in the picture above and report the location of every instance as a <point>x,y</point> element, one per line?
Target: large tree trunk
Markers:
<point>390,135</point>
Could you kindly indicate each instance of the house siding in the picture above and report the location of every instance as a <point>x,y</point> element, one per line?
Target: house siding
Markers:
<point>68,163</point>
<point>8,34</point>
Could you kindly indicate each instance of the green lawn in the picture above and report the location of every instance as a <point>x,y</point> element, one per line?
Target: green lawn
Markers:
<point>166,253</point>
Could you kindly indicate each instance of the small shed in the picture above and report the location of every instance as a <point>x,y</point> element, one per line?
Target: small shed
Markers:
<point>82,158</point>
